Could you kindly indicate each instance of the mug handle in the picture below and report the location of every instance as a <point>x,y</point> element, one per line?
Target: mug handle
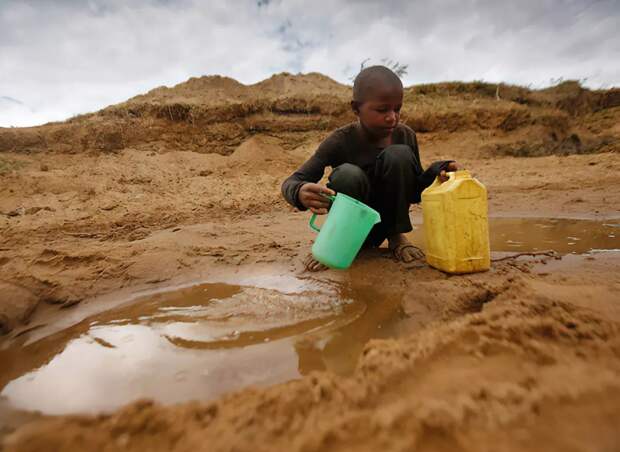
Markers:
<point>312,225</point>
<point>313,218</point>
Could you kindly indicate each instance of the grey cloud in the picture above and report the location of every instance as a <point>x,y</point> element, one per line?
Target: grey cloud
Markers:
<point>66,57</point>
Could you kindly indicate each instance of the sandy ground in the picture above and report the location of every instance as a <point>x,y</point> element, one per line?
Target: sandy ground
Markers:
<point>524,356</point>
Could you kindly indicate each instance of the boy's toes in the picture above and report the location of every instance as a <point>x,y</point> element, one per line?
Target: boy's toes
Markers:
<point>316,266</point>
<point>413,253</point>
<point>408,253</point>
<point>312,265</point>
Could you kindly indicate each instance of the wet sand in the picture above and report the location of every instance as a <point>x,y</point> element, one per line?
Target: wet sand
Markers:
<point>514,356</point>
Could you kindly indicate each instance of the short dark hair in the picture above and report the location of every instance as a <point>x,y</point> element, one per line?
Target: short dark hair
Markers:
<point>370,77</point>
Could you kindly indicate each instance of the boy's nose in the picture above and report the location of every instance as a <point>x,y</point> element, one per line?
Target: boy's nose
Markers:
<point>390,117</point>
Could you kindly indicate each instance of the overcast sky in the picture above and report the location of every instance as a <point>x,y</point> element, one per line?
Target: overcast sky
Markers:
<point>63,57</point>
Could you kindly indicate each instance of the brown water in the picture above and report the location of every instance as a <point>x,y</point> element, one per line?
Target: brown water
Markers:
<point>563,236</point>
<point>194,343</point>
<point>202,341</point>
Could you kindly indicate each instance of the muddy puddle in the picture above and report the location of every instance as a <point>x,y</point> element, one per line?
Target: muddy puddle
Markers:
<point>202,341</point>
<point>193,343</point>
<point>563,236</point>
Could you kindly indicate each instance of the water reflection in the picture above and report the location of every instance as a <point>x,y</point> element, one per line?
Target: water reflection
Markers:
<point>195,343</point>
<point>563,236</point>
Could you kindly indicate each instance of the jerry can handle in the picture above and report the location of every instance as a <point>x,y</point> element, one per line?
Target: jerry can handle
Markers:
<point>313,217</point>
<point>451,176</point>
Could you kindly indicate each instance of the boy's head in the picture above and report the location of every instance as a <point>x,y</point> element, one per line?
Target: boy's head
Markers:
<point>377,99</point>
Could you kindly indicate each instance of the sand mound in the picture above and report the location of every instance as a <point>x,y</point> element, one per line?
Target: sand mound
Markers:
<point>215,114</point>
<point>286,84</point>
<point>197,90</point>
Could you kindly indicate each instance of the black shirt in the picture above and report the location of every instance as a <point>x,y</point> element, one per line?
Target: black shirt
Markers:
<point>347,145</point>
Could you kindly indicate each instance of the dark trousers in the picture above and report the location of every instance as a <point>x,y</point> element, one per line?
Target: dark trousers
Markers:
<point>390,190</point>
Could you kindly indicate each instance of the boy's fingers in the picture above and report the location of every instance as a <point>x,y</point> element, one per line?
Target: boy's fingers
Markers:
<point>317,206</point>
<point>315,188</point>
<point>318,211</point>
<point>320,189</point>
<point>318,201</point>
<point>317,197</point>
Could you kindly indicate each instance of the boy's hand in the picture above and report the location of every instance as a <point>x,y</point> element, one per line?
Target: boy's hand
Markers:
<point>311,196</point>
<point>452,166</point>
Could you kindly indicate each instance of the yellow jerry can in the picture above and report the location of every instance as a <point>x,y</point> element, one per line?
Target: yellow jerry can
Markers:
<point>456,225</point>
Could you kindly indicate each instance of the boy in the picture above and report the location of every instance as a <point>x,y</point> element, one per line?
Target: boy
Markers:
<point>375,160</point>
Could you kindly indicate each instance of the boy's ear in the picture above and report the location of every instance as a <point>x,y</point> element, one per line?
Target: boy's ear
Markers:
<point>355,106</point>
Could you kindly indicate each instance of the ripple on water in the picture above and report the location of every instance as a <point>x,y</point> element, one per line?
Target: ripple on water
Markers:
<point>212,338</point>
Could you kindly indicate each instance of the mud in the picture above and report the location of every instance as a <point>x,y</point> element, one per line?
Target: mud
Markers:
<point>103,213</point>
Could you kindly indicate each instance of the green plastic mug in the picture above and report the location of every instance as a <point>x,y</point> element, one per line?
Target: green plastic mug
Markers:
<point>348,223</point>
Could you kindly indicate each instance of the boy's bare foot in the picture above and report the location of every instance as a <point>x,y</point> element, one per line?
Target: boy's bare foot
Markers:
<point>403,250</point>
<point>312,265</point>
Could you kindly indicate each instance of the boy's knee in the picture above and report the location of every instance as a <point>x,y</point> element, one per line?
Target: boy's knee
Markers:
<point>348,172</point>
<point>350,180</point>
<point>397,155</point>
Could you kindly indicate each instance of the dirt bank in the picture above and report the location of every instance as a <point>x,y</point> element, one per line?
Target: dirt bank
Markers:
<point>183,183</point>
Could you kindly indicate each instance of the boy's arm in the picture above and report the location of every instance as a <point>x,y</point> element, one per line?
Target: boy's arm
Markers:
<point>311,171</point>
<point>426,178</point>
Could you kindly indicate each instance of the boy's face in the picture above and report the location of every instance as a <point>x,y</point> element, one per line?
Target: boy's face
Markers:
<point>380,112</point>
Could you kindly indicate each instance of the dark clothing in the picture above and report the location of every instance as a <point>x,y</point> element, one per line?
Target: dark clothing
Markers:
<point>390,193</point>
<point>388,180</point>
